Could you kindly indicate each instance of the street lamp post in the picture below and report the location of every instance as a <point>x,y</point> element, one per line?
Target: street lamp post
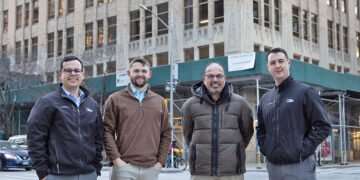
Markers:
<point>171,34</point>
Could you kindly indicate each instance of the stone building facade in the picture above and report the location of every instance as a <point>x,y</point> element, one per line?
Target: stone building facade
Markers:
<point>36,34</point>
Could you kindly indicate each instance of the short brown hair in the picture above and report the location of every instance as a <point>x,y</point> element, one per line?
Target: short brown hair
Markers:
<point>141,60</point>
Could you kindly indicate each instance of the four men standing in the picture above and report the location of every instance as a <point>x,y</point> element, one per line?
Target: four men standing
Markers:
<point>66,133</point>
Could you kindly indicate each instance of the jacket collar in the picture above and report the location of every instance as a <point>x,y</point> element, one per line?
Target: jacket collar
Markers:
<point>200,90</point>
<point>286,83</point>
<point>131,92</point>
<point>83,89</point>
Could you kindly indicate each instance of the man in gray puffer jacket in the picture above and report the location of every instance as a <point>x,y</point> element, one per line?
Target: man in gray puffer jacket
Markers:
<point>217,126</point>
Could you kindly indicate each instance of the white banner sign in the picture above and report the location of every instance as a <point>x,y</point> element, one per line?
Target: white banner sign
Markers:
<point>241,62</point>
<point>122,79</point>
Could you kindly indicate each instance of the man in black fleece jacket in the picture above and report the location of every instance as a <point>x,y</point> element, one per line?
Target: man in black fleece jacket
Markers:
<point>65,129</point>
<point>292,122</point>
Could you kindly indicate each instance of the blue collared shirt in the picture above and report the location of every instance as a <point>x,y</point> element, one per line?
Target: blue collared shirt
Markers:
<point>137,94</point>
<point>76,100</point>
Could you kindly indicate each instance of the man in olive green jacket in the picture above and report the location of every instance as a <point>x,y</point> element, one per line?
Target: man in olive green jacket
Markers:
<point>217,126</point>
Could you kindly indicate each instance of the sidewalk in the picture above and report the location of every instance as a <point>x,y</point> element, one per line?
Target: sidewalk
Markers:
<point>251,167</point>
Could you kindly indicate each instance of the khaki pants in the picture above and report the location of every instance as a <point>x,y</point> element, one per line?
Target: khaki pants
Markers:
<point>90,176</point>
<point>235,177</point>
<point>130,172</point>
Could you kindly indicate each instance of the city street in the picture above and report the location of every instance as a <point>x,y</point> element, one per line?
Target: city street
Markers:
<point>330,172</point>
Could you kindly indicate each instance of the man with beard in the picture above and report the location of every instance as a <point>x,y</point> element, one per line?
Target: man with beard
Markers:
<point>65,129</point>
<point>217,126</point>
<point>137,132</point>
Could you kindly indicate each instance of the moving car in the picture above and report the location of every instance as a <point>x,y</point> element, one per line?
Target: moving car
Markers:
<point>13,156</point>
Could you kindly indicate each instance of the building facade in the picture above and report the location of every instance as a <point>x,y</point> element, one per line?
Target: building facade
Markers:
<point>36,34</point>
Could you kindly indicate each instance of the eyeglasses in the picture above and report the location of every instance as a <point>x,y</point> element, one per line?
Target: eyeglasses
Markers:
<point>137,71</point>
<point>76,71</point>
<point>212,76</point>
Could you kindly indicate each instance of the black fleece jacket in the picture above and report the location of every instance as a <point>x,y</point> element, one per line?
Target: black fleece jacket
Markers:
<point>65,139</point>
<point>292,122</point>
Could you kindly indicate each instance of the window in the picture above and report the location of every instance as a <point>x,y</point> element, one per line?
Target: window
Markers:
<point>343,6</point>
<point>357,3</point>
<point>346,70</point>
<point>69,40</point>
<point>61,7</point>
<point>332,67</point>
<point>34,48</point>
<point>277,15</point>
<point>148,23</point>
<point>256,11</point>
<point>50,45</point>
<point>328,2</point>
<point>18,16</point>
<point>188,8</point>
<point>35,11</point>
<point>315,62</point>
<point>203,13</point>
<point>51,9</point>
<point>111,67</point>
<point>100,2</point>
<point>163,14</point>
<point>314,27</point>
<point>4,50</point>
<point>89,36</point>
<point>189,54</point>
<point>345,36</point>
<point>219,49</point>
<point>70,6</point>
<point>330,36</point>
<point>357,44</point>
<point>267,48</point>
<point>266,13</point>
<point>256,47</point>
<point>336,4</point>
<point>219,11</point>
<point>60,43</point>
<point>89,71</point>
<point>6,21</point>
<point>306,59</point>
<point>17,52</point>
<point>162,59</point>
<point>203,52</point>
<point>134,25</point>
<point>99,69</point>
<point>297,56</point>
<point>49,77</point>
<point>149,58</point>
<point>338,36</point>
<point>295,20</point>
<point>339,68</point>
<point>100,33</point>
<point>305,25</point>
<point>112,30</point>
<point>89,3</point>
<point>27,14</point>
<point>26,50</point>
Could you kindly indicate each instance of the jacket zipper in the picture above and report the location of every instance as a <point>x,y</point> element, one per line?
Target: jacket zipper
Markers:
<point>81,143</point>
<point>57,159</point>
<point>214,141</point>
<point>277,121</point>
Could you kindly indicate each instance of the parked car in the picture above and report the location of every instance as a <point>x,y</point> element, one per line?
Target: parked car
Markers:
<point>13,156</point>
<point>20,140</point>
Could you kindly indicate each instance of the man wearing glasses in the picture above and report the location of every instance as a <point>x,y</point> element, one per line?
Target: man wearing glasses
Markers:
<point>65,129</point>
<point>137,132</point>
<point>217,126</point>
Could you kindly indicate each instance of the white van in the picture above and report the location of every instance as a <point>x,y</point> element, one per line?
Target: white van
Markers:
<point>19,139</point>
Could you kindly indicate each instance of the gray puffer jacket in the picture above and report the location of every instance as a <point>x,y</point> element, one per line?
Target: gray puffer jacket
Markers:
<point>217,132</point>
